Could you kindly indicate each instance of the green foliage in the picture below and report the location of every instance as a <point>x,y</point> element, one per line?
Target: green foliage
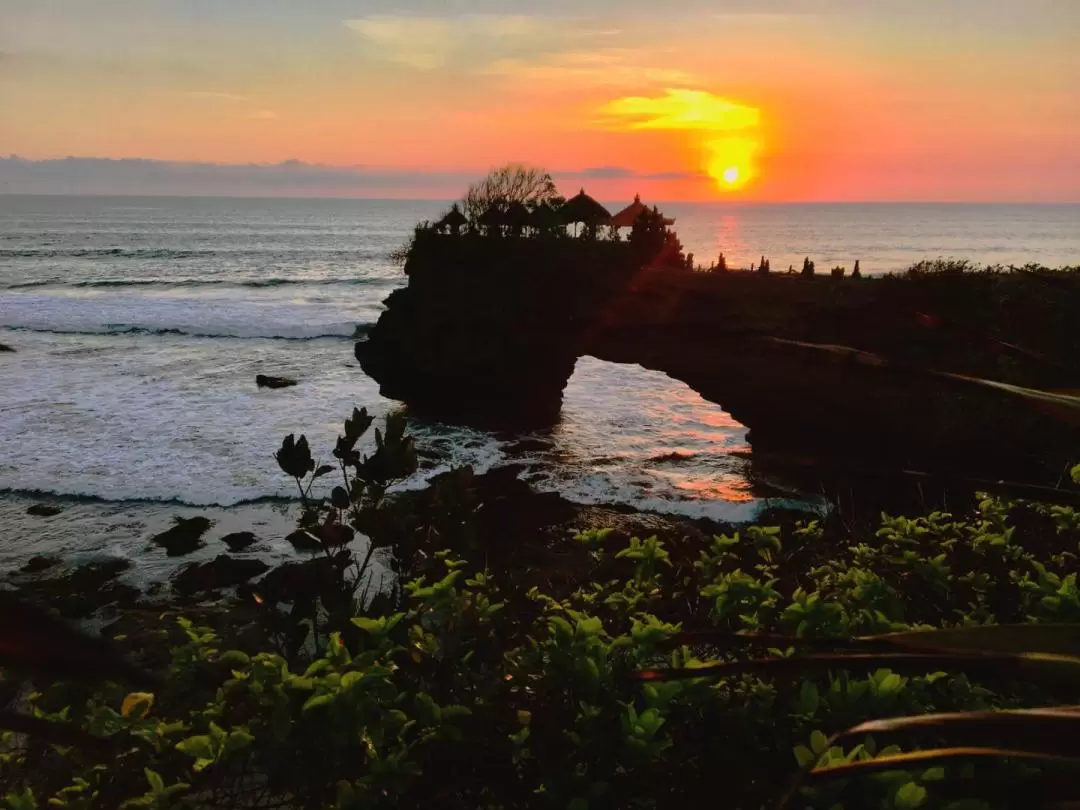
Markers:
<point>452,689</point>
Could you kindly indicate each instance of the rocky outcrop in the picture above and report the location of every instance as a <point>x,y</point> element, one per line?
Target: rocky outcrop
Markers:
<point>263,381</point>
<point>221,572</point>
<point>43,510</point>
<point>5,348</point>
<point>238,541</point>
<point>183,537</point>
<point>76,593</point>
<point>488,331</point>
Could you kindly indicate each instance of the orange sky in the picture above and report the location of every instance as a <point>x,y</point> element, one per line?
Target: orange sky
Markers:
<point>868,100</point>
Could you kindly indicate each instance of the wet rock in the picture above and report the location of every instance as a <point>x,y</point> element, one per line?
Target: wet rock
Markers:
<point>184,537</point>
<point>528,446</point>
<point>221,572</point>
<point>5,348</point>
<point>302,581</point>
<point>39,563</point>
<point>43,510</point>
<point>264,381</point>
<point>82,592</point>
<point>302,541</point>
<point>238,541</point>
<point>96,573</point>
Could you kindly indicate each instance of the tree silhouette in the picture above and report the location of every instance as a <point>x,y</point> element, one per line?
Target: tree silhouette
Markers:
<point>513,183</point>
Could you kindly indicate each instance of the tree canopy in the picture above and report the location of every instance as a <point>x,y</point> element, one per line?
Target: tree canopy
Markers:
<point>512,183</point>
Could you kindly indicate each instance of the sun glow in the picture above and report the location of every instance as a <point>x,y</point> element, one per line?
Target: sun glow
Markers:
<point>729,160</point>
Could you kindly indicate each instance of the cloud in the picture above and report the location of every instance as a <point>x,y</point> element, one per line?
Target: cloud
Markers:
<point>626,173</point>
<point>725,131</point>
<point>288,178</point>
<point>211,95</point>
<point>604,67</point>
<point>432,42</point>
<point>293,178</point>
<point>681,109</point>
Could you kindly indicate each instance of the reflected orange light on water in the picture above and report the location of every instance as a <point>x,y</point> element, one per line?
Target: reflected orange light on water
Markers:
<point>731,490</point>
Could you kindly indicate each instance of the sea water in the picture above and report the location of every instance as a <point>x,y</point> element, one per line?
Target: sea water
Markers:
<point>140,323</point>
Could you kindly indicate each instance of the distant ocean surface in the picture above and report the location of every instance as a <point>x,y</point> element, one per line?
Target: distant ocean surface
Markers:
<point>140,324</point>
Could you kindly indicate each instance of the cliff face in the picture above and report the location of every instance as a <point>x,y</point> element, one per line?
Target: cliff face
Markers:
<point>488,332</point>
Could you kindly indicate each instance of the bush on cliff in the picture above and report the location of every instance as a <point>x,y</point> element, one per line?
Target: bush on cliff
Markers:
<point>453,690</point>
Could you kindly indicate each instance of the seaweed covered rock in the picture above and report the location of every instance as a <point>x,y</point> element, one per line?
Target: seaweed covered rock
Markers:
<point>43,510</point>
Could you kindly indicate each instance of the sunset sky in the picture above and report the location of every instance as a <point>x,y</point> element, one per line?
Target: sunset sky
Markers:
<point>686,99</point>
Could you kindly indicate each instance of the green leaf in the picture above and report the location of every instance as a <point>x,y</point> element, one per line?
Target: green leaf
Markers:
<point>318,666</point>
<point>818,742</point>
<point>804,756</point>
<point>237,740</point>
<point>235,658</point>
<point>199,746</point>
<point>315,701</point>
<point>910,796</point>
<point>157,784</point>
<point>368,625</point>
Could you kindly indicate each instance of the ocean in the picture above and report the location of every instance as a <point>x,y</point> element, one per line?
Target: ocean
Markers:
<point>140,323</point>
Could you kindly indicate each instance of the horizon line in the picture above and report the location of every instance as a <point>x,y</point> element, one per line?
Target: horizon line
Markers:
<point>344,197</point>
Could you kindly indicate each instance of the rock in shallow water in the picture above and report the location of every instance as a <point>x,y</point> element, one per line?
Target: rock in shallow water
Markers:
<point>525,446</point>
<point>78,594</point>
<point>5,348</point>
<point>184,537</point>
<point>39,563</point>
<point>238,541</point>
<point>221,572</point>
<point>303,541</point>
<point>263,381</point>
<point>43,510</point>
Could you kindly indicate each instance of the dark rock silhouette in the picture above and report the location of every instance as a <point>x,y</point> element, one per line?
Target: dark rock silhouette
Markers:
<point>39,563</point>
<point>488,331</point>
<point>5,348</point>
<point>263,381</point>
<point>184,537</point>
<point>221,572</point>
<point>238,541</point>
<point>43,509</point>
<point>298,582</point>
<point>78,593</point>
<point>302,540</point>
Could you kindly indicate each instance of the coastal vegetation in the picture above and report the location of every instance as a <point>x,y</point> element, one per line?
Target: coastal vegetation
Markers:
<point>761,665</point>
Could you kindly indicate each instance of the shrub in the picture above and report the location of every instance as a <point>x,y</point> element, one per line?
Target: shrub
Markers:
<point>631,689</point>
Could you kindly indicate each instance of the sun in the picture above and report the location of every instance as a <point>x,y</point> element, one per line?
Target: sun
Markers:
<point>727,134</point>
<point>730,161</point>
